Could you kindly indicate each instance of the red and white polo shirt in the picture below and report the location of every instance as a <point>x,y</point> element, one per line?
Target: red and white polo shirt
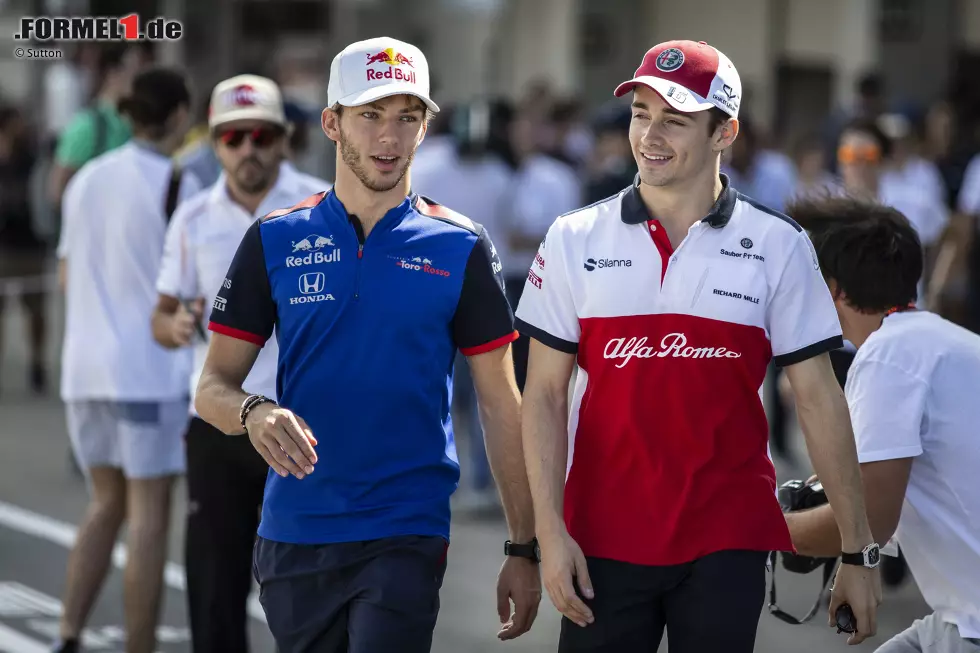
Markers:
<point>668,457</point>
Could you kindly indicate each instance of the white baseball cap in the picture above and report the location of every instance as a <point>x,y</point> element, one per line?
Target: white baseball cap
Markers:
<point>246,97</point>
<point>377,68</point>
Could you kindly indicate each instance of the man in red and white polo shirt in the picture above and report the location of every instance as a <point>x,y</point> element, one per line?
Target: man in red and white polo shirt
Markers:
<point>673,296</point>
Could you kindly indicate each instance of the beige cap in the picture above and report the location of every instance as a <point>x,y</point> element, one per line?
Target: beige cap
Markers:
<point>246,97</point>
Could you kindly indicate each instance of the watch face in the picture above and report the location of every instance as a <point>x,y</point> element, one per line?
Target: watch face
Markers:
<point>537,553</point>
<point>874,555</point>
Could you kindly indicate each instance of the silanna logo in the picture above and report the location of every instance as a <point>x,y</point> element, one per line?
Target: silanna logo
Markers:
<point>419,264</point>
<point>602,263</point>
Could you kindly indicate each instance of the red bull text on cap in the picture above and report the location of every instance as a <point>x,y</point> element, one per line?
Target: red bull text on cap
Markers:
<point>690,76</point>
<point>376,68</point>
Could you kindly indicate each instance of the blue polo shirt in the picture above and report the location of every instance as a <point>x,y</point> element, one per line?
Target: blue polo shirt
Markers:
<point>368,330</point>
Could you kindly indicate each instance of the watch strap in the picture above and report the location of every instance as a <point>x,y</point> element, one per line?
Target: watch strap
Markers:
<point>529,550</point>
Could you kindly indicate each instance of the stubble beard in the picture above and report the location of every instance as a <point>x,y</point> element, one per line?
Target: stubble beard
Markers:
<point>352,158</point>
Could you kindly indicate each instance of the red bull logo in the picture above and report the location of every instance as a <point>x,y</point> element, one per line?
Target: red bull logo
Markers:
<point>393,60</point>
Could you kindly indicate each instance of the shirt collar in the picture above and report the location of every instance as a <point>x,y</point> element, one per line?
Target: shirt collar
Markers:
<point>286,183</point>
<point>393,216</point>
<point>634,211</point>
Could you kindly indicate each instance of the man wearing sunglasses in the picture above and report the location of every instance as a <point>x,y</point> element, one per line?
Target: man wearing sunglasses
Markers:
<point>370,291</point>
<point>225,476</point>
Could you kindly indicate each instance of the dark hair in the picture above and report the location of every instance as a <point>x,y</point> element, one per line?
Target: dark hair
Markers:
<point>869,250</point>
<point>156,94</point>
<point>870,128</point>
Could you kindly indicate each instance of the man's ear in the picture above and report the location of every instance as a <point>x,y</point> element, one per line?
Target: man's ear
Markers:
<point>330,123</point>
<point>725,134</point>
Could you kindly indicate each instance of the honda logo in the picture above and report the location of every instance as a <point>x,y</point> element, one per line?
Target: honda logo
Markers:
<point>311,283</point>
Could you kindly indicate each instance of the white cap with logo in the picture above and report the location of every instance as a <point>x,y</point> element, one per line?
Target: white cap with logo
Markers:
<point>377,68</point>
<point>246,97</point>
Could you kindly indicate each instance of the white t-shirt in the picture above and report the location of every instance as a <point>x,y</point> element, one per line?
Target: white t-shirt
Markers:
<point>543,188</point>
<point>920,174</point>
<point>201,243</point>
<point>912,392</point>
<point>112,236</point>
<point>927,214</point>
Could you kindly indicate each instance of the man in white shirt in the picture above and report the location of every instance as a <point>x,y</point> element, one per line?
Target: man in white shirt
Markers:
<point>225,476</point>
<point>126,397</point>
<point>911,391</point>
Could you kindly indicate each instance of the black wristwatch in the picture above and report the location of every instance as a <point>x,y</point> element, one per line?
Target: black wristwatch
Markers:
<point>529,550</point>
<point>868,557</point>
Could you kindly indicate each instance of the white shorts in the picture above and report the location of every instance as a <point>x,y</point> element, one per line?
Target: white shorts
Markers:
<point>145,439</point>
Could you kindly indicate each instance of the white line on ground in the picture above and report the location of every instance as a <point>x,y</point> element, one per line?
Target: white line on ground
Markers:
<point>12,641</point>
<point>64,534</point>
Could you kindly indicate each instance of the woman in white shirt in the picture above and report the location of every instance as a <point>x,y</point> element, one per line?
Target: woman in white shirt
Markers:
<point>125,395</point>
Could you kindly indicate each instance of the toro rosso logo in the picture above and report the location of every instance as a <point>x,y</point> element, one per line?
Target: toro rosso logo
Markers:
<point>393,61</point>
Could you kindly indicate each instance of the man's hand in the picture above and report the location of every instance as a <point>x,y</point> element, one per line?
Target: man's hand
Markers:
<point>519,581</point>
<point>860,588</point>
<point>182,323</point>
<point>283,439</point>
<point>561,560</point>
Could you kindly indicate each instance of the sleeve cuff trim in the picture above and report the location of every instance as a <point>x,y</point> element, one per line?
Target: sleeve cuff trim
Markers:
<point>808,352</point>
<point>490,346</point>
<point>546,338</point>
<point>237,333</point>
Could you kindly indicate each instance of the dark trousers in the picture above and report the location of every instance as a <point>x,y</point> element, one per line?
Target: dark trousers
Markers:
<point>352,597</point>
<point>711,604</point>
<point>225,483</point>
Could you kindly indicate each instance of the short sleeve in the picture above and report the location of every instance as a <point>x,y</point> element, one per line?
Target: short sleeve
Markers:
<point>176,258</point>
<point>802,319</point>
<point>887,409</point>
<point>77,143</point>
<point>546,311</point>
<point>243,307</point>
<point>483,320</point>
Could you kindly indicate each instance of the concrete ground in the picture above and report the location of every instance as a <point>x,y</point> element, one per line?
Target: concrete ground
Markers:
<point>42,500</point>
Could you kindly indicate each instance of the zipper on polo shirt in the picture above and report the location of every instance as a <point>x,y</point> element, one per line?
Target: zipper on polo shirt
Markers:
<point>355,224</point>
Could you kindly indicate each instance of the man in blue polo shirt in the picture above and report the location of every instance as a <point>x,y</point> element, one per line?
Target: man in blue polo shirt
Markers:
<point>370,290</point>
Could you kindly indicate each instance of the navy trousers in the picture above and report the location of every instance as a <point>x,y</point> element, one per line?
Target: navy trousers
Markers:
<point>353,597</point>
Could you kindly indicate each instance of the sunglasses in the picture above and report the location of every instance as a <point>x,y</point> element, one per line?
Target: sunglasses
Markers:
<point>865,154</point>
<point>260,137</point>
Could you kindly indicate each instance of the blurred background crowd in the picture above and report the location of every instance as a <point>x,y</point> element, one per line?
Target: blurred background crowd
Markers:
<point>864,96</point>
<point>873,97</point>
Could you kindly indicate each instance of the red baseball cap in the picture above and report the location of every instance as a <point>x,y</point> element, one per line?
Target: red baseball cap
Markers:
<point>690,76</point>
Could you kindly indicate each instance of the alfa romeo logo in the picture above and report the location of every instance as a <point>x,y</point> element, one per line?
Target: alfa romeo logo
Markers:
<point>670,59</point>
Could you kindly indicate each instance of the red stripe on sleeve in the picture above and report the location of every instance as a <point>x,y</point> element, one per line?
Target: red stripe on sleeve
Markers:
<point>490,346</point>
<point>236,333</point>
